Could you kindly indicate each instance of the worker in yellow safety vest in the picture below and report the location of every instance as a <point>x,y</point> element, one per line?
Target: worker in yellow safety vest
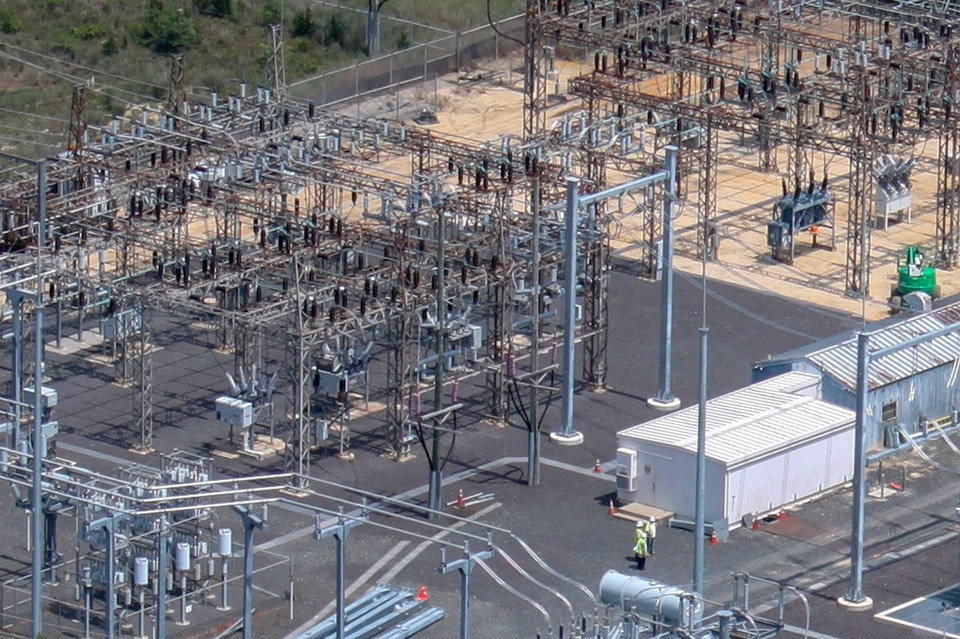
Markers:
<point>640,551</point>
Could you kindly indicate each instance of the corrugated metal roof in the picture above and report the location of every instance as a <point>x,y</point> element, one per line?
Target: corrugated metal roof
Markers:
<point>755,420</point>
<point>840,360</point>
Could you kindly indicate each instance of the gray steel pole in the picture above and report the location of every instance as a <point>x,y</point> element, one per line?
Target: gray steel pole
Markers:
<point>247,578</point>
<point>699,527</point>
<point>16,369</point>
<point>36,586</point>
<point>465,571</point>
<point>533,428</point>
<point>111,603</point>
<point>855,597</point>
<point>341,593</point>
<point>162,580</point>
<point>699,524</point>
<point>665,399</point>
<point>568,435</point>
<point>465,566</point>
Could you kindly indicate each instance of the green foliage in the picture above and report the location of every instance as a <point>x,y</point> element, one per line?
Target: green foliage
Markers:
<point>166,29</point>
<point>10,22</point>
<point>89,31</point>
<point>222,8</point>
<point>271,12</point>
<point>403,40</point>
<point>109,46</point>
<point>303,25</point>
<point>335,31</point>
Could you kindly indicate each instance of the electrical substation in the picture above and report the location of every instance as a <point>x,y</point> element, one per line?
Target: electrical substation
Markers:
<point>285,367</point>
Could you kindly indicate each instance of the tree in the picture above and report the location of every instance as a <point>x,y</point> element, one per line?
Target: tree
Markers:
<point>166,29</point>
<point>272,12</point>
<point>303,25</point>
<point>373,26</point>
<point>222,8</point>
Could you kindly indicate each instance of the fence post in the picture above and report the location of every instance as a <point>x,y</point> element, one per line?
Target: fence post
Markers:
<point>458,51</point>
<point>356,93</point>
<point>496,42</point>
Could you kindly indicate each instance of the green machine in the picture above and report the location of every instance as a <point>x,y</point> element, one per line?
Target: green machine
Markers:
<point>916,285</point>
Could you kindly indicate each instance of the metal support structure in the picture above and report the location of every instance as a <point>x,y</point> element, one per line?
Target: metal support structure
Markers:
<point>568,435</point>
<point>533,427</point>
<point>340,531</point>
<point>436,464</point>
<point>251,522</point>
<point>78,121</point>
<point>534,75</point>
<point>143,397</point>
<point>707,191</point>
<point>665,399</point>
<point>465,566</point>
<point>947,229</point>
<point>276,64</point>
<point>39,445</point>
<point>176,94</point>
<point>15,297</point>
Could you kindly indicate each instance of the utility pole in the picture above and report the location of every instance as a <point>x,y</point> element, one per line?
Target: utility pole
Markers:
<point>665,399</point>
<point>699,523</point>
<point>340,531</point>
<point>567,435</point>
<point>465,566</point>
<point>39,447</point>
<point>855,599</point>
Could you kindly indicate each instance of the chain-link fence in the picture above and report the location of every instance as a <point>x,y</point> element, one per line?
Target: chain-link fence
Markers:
<point>408,66</point>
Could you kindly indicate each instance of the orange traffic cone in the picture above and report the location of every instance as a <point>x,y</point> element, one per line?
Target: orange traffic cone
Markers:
<point>782,515</point>
<point>611,510</point>
<point>713,539</point>
<point>422,594</point>
<point>596,467</point>
<point>460,502</point>
<point>756,524</point>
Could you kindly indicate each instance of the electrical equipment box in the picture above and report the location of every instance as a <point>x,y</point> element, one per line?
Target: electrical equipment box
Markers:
<point>235,412</point>
<point>48,397</point>
<point>121,325</point>
<point>332,384</point>
<point>626,469</point>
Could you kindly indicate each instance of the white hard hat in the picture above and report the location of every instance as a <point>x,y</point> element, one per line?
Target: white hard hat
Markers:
<point>652,518</point>
<point>639,523</point>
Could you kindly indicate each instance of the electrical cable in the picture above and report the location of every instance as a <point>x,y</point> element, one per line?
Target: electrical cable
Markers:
<point>34,115</point>
<point>545,566</point>
<point>80,66</point>
<point>516,593</point>
<point>496,30</point>
<point>513,564</point>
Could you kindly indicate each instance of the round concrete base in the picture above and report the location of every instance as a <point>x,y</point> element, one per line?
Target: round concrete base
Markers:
<point>346,455</point>
<point>664,404</point>
<point>855,606</point>
<point>566,440</point>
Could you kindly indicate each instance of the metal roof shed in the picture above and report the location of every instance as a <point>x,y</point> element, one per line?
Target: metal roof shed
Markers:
<point>907,387</point>
<point>768,444</point>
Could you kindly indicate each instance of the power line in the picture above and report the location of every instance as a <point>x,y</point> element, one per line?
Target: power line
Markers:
<point>34,115</point>
<point>81,66</point>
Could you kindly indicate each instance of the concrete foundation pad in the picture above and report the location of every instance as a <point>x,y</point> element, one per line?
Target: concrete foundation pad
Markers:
<point>664,404</point>
<point>855,606</point>
<point>567,440</point>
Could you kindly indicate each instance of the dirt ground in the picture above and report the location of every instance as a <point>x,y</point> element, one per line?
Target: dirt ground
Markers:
<point>490,104</point>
